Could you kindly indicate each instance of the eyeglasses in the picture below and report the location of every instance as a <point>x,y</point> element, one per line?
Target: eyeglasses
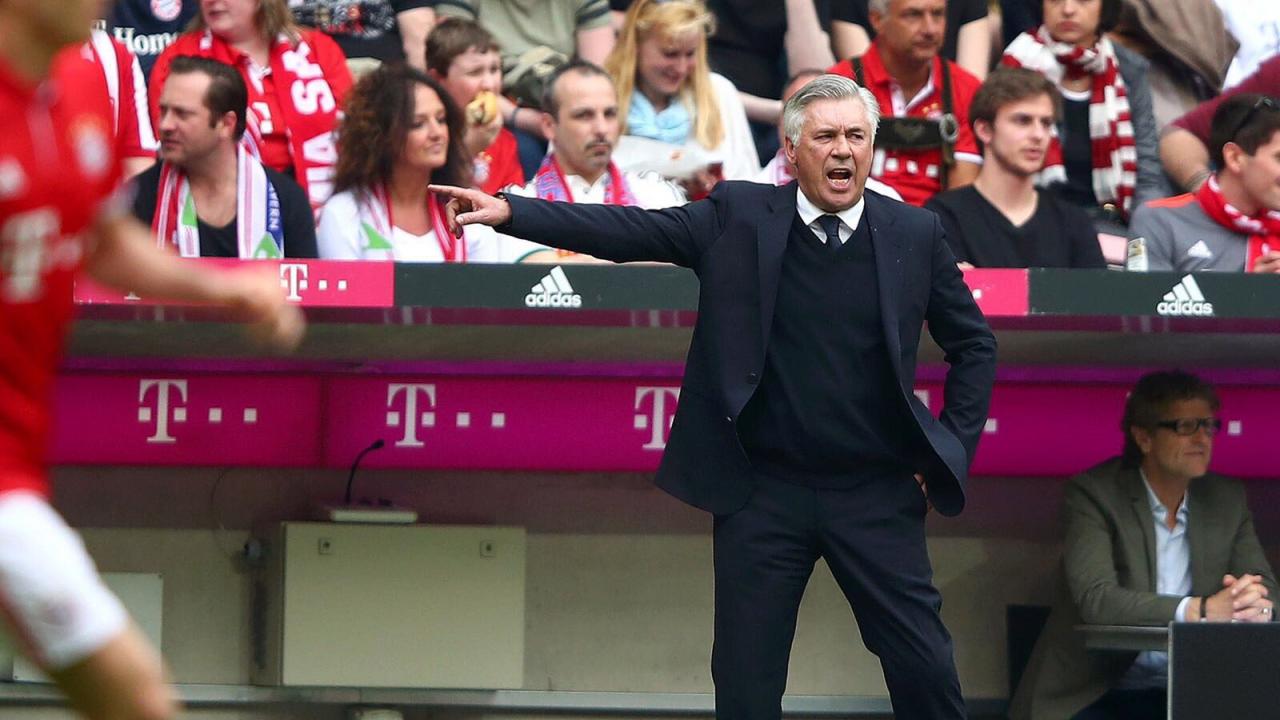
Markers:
<point>1264,102</point>
<point>1190,426</point>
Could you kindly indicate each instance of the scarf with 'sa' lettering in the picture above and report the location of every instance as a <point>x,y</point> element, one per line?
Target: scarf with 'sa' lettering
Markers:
<point>377,227</point>
<point>307,100</point>
<point>1114,153</point>
<point>259,227</point>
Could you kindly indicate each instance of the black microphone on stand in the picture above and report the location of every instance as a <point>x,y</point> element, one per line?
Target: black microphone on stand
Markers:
<point>376,445</point>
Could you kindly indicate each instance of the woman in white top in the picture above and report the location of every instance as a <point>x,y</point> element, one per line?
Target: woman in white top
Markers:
<point>666,91</point>
<point>400,133</point>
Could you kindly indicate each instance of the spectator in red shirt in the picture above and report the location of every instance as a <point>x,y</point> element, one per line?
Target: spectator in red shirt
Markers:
<point>467,61</point>
<point>297,79</point>
<point>127,88</point>
<point>924,144</point>
<point>1184,147</point>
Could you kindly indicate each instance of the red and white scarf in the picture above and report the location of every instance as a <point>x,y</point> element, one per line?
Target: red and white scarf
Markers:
<point>259,226</point>
<point>550,184</point>
<point>1263,229</point>
<point>1115,156</point>
<point>309,105</point>
<point>377,228</point>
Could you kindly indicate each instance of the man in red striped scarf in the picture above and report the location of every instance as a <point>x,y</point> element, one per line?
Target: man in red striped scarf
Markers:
<point>580,119</point>
<point>1232,222</point>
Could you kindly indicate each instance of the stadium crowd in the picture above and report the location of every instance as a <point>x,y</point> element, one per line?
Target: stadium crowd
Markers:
<point>359,104</point>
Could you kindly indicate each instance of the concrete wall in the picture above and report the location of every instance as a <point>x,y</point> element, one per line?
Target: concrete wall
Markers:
<point>619,587</point>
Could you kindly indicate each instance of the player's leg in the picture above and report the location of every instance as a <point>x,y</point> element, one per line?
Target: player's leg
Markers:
<point>57,608</point>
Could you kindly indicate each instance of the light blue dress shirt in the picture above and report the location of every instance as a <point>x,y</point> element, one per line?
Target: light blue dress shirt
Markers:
<point>1173,577</point>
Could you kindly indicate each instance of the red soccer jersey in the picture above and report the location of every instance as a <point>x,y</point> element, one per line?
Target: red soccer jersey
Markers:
<point>915,174</point>
<point>499,164</point>
<point>127,89</point>
<point>57,165</point>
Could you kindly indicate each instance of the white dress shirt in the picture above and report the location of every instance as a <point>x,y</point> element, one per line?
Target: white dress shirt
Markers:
<point>809,214</point>
<point>1173,577</point>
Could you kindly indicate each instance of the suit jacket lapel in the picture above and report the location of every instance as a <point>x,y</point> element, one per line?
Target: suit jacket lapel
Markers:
<point>1141,506</point>
<point>888,252</point>
<point>1200,527</point>
<point>771,242</point>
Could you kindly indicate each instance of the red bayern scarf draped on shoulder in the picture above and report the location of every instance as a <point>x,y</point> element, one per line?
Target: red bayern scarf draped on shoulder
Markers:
<point>1115,155</point>
<point>1263,229</point>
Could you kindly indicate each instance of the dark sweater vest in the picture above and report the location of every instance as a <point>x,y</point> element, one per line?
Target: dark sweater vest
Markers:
<point>827,412</point>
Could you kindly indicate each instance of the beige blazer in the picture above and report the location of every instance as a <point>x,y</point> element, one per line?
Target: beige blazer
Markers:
<point>1109,578</point>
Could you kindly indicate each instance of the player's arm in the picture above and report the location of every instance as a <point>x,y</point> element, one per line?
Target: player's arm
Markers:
<point>125,256</point>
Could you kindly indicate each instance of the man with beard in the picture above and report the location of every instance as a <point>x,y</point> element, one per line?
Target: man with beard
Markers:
<point>580,120</point>
<point>1003,219</point>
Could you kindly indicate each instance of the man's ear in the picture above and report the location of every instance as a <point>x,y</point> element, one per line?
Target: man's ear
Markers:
<point>789,148</point>
<point>1142,438</point>
<point>876,19</point>
<point>984,131</point>
<point>548,127</point>
<point>228,123</point>
<point>1233,157</point>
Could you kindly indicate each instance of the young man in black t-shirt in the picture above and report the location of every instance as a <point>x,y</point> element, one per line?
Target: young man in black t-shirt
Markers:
<point>1002,219</point>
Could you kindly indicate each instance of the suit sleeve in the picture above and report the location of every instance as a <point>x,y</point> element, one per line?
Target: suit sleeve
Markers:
<point>678,235</point>
<point>968,346</point>
<point>1247,555</point>
<point>1089,560</point>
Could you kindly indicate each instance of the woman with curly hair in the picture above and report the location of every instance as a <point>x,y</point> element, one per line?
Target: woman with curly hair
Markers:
<point>297,79</point>
<point>666,91</point>
<point>401,132</point>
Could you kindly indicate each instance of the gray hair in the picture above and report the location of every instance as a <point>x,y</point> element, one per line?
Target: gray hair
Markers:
<point>826,87</point>
<point>878,6</point>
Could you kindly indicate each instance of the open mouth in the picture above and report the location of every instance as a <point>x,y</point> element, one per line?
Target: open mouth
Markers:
<point>840,178</point>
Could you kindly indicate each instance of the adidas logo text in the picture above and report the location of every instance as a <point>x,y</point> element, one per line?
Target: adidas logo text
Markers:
<point>1185,299</point>
<point>554,291</point>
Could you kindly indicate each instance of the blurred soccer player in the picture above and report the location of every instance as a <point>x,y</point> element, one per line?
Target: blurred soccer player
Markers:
<point>60,210</point>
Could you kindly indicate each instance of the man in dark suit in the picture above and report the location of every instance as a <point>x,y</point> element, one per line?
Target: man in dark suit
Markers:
<point>797,426</point>
<point>1151,537</point>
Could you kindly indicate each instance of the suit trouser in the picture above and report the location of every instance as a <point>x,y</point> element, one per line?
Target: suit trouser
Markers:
<point>873,538</point>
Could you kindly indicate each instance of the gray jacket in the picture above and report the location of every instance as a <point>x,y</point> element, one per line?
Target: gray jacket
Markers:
<point>1109,578</point>
<point>1151,182</point>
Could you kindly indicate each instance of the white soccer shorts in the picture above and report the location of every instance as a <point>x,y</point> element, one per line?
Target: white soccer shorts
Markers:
<point>54,604</point>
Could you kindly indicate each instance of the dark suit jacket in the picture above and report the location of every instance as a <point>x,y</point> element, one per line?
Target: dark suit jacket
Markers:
<point>1109,578</point>
<point>734,242</point>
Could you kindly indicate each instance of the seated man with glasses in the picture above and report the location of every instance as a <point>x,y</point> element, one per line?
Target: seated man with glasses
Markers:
<point>1232,221</point>
<point>1151,537</point>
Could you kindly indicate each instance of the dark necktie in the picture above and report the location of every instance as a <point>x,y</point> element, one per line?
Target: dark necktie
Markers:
<point>831,226</point>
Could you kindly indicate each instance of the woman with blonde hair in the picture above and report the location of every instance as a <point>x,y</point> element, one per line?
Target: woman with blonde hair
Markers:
<point>666,91</point>
<point>297,79</point>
